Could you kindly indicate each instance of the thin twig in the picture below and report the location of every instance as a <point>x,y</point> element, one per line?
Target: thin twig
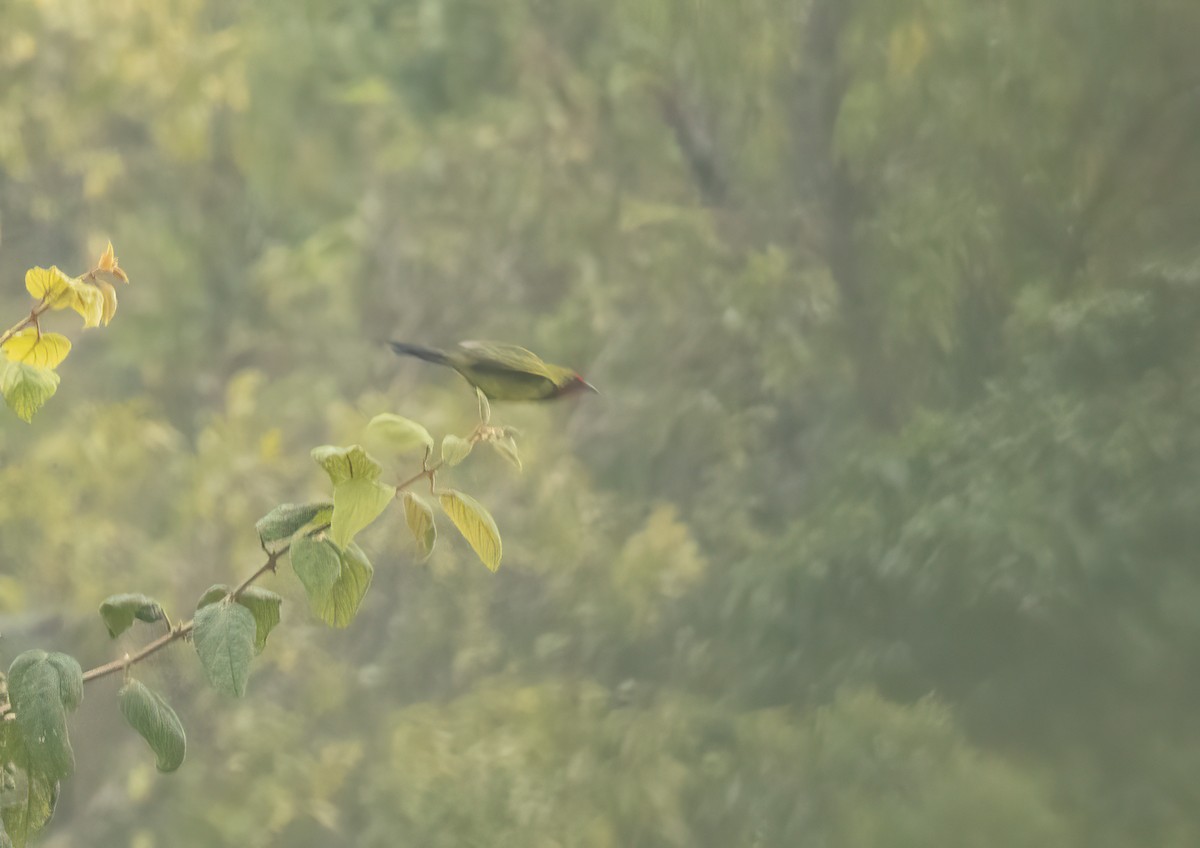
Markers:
<point>31,318</point>
<point>154,647</point>
<point>428,472</point>
<point>270,565</point>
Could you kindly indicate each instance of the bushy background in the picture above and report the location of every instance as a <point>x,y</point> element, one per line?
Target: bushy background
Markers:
<point>882,533</point>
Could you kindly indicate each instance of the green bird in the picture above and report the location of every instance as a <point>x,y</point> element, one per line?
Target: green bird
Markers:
<point>502,371</point>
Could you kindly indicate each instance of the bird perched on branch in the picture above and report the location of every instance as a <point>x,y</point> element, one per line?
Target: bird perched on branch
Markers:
<point>502,371</point>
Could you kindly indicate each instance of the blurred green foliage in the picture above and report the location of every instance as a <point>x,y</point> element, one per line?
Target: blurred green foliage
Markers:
<point>882,532</point>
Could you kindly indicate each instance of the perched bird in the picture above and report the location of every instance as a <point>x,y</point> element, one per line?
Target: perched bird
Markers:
<point>502,371</point>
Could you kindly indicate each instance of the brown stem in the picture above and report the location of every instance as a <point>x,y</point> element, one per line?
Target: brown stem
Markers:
<point>125,662</point>
<point>269,565</point>
<point>31,318</point>
<point>427,472</point>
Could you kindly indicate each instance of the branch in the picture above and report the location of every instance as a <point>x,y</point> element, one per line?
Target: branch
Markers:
<point>182,629</point>
<point>420,475</point>
<point>270,565</point>
<point>696,146</point>
<point>31,318</point>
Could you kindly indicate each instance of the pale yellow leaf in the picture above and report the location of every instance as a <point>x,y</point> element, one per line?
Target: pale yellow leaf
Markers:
<point>45,351</point>
<point>88,302</point>
<point>476,525</point>
<point>50,285</point>
<point>110,302</point>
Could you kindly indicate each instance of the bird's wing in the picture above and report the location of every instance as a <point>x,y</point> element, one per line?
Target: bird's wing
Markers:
<point>504,357</point>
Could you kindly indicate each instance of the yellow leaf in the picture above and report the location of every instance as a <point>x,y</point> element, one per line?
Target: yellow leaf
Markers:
<point>356,503</point>
<point>45,351</point>
<point>476,525</point>
<point>419,517</point>
<point>338,606</point>
<point>109,293</point>
<point>507,448</point>
<point>50,285</point>
<point>88,302</point>
<point>107,267</point>
<point>454,449</point>
<point>352,463</point>
<point>485,408</point>
<point>398,434</point>
<point>107,260</point>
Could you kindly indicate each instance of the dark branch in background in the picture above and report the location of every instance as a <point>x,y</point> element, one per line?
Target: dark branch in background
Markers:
<point>1147,126</point>
<point>845,204</point>
<point>696,144</point>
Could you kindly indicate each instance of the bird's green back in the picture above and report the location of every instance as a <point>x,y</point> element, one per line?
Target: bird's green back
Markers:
<point>503,356</point>
<point>507,371</point>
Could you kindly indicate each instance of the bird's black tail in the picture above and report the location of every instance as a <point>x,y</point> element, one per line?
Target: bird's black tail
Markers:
<point>429,354</point>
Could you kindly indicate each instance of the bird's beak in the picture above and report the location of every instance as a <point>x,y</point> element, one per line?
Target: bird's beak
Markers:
<point>584,384</point>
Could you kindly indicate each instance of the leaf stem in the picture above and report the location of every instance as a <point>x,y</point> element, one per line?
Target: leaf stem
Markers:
<point>182,629</point>
<point>270,565</point>
<point>30,319</point>
<point>426,472</point>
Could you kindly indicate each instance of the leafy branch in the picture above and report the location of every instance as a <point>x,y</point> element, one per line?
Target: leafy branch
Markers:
<point>230,625</point>
<point>28,375</point>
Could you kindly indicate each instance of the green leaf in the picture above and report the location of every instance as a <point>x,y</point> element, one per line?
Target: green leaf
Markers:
<point>37,796</point>
<point>212,594</point>
<point>485,408</point>
<point>398,434</point>
<point>476,525</point>
<point>42,689</point>
<point>224,636</point>
<point>352,463</point>
<point>26,388</point>
<point>27,798</point>
<point>507,448</point>
<point>454,449</point>
<point>70,679</point>
<point>46,350</point>
<point>153,718</point>
<point>356,503</point>
<point>119,612</point>
<point>419,516</point>
<point>339,605</point>
<point>318,564</point>
<point>264,606</point>
<point>285,520</point>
